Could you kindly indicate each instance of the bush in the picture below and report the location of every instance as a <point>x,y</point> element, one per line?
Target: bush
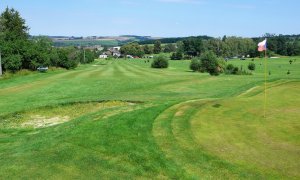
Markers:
<point>231,69</point>
<point>251,66</point>
<point>160,62</point>
<point>235,70</point>
<point>195,65</point>
<point>210,63</point>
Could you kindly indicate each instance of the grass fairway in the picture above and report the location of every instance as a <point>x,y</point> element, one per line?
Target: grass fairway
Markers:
<point>122,119</point>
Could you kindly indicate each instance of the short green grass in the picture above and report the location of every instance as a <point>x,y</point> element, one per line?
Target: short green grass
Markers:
<point>126,120</point>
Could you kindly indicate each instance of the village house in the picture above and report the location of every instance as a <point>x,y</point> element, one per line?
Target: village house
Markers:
<point>103,56</point>
<point>113,51</point>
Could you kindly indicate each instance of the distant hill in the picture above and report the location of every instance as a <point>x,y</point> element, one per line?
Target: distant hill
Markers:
<point>172,40</point>
<point>108,41</point>
<point>63,41</point>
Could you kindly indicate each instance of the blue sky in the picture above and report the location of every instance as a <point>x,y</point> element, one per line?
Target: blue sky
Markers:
<point>159,18</point>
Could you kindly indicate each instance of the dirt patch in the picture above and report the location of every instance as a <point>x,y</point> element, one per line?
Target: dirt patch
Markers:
<point>57,114</point>
<point>39,121</point>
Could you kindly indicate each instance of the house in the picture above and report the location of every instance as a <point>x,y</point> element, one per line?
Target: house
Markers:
<point>116,54</point>
<point>117,48</point>
<point>103,56</point>
<point>115,51</point>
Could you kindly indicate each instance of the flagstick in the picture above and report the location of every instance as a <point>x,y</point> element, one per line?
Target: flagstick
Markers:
<point>265,103</point>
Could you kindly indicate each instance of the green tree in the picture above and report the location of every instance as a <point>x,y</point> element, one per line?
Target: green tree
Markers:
<point>13,37</point>
<point>54,57</point>
<point>215,46</point>
<point>13,26</point>
<point>68,58</point>
<point>157,47</point>
<point>169,48</point>
<point>148,49</point>
<point>37,53</point>
<point>177,55</point>
<point>193,46</point>
<point>12,63</point>
<point>133,49</point>
<point>86,56</point>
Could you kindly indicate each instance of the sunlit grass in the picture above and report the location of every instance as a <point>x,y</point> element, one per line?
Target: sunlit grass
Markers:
<point>127,120</point>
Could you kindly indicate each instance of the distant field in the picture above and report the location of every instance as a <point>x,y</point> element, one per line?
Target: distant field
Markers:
<point>106,42</point>
<point>122,119</point>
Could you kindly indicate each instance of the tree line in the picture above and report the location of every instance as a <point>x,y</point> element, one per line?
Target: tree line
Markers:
<point>285,45</point>
<point>21,51</point>
<point>226,47</point>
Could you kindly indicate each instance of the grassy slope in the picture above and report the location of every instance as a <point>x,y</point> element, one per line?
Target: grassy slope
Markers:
<point>153,139</point>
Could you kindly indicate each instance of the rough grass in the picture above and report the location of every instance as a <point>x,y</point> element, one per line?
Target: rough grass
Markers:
<point>189,126</point>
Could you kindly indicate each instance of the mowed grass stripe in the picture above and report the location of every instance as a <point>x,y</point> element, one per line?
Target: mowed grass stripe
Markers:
<point>172,132</point>
<point>99,73</point>
<point>139,71</point>
<point>162,72</point>
<point>124,73</point>
<point>36,84</point>
<point>109,70</point>
<point>147,71</point>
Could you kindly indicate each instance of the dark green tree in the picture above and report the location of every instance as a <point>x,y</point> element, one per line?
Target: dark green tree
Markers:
<point>68,58</point>
<point>148,49</point>
<point>157,47</point>
<point>193,47</point>
<point>169,48</point>
<point>177,55</point>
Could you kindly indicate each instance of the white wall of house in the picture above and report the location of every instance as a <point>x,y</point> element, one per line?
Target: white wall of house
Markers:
<point>103,56</point>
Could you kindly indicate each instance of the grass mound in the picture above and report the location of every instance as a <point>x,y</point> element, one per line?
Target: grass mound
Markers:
<point>230,138</point>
